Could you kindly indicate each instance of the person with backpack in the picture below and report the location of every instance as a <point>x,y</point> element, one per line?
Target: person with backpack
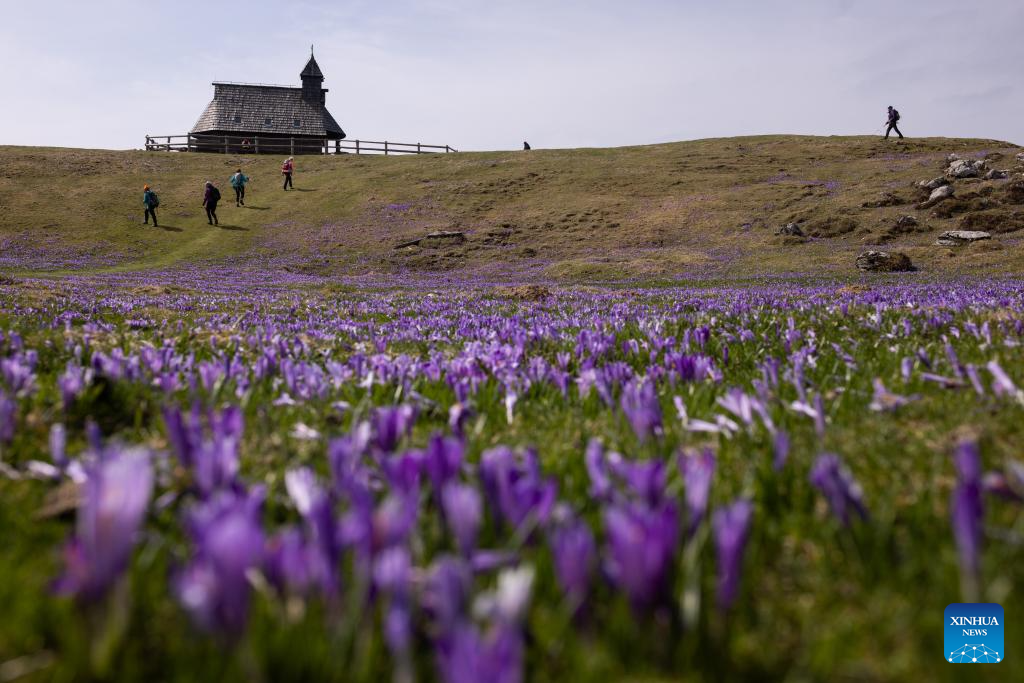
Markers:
<point>150,201</point>
<point>526,146</point>
<point>210,198</point>
<point>238,181</point>
<point>287,168</point>
<point>894,118</point>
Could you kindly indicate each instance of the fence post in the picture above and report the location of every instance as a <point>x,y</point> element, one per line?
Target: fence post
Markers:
<point>147,143</point>
<point>418,147</point>
<point>256,143</point>
<point>225,144</point>
<point>292,147</point>
<point>357,146</point>
<point>385,148</point>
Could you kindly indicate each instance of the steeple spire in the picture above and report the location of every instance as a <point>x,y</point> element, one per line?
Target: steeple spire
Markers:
<point>312,80</point>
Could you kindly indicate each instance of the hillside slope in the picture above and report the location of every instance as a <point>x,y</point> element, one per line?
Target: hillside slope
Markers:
<point>702,208</point>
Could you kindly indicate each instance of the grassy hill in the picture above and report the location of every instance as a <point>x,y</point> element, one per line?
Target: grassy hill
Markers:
<point>706,208</point>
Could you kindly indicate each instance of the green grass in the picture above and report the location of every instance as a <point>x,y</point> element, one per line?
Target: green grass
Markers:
<point>691,209</point>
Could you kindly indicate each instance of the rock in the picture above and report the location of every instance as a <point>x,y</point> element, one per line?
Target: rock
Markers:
<point>790,230</point>
<point>939,194</point>
<point>951,158</point>
<point>997,175</point>
<point>954,238</point>
<point>884,262</point>
<point>965,169</point>
<point>1020,158</point>
<point>457,237</point>
<point>933,184</point>
<point>906,223</point>
<point>524,292</point>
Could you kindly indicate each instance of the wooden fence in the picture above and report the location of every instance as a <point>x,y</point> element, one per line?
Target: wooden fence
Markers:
<point>232,144</point>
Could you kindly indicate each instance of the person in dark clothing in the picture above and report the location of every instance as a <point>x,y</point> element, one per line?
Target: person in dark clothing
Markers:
<point>150,201</point>
<point>894,118</point>
<point>287,168</point>
<point>526,146</point>
<point>210,198</point>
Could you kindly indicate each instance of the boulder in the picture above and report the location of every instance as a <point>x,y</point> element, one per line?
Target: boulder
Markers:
<point>523,292</point>
<point>934,183</point>
<point>884,262</point>
<point>905,224</point>
<point>955,238</point>
<point>790,230</point>
<point>951,158</point>
<point>997,175</point>
<point>1020,158</point>
<point>939,194</point>
<point>962,168</point>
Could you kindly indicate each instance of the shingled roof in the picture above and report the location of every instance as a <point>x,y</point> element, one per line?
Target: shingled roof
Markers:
<point>255,110</point>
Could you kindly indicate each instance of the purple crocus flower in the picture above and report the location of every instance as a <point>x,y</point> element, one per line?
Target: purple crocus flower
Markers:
<point>463,511</point>
<point>640,404</point>
<point>840,489</point>
<point>467,656</point>
<point>514,486</point>
<point>314,504</point>
<point>641,545</point>
<point>731,528</point>
<point>8,417</point>
<point>442,460</point>
<point>392,575</point>
<point>780,450</point>
<point>58,445</point>
<point>697,470</point>
<point>967,513</point>
<point>390,424</point>
<point>115,498</point>
<point>71,383</point>
<point>214,588</point>
<point>573,550</point>
<point>214,460</point>
<point>446,592</point>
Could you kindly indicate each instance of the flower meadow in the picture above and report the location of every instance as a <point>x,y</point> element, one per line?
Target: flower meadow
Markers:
<point>240,480</point>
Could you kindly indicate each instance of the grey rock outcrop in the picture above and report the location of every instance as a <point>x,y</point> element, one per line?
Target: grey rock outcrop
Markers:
<point>956,238</point>
<point>884,262</point>
<point>961,168</point>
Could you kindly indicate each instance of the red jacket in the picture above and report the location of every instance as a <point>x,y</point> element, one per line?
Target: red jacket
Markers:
<point>286,167</point>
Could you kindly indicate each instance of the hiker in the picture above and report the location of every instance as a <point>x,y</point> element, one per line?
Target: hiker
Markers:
<point>526,146</point>
<point>150,201</point>
<point>286,169</point>
<point>238,181</point>
<point>894,118</point>
<point>210,198</point>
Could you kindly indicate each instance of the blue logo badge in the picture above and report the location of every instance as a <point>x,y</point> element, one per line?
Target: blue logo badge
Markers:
<point>974,633</point>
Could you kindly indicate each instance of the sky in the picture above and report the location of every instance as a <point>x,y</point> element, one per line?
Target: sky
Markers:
<point>489,74</point>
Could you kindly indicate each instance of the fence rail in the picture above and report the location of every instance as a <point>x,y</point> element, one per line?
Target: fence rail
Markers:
<point>236,144</point>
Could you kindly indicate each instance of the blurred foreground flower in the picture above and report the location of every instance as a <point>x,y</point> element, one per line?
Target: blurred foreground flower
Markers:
<point>966,514</point>
<point>114,500</point>
<point>840,489</point>
<point>731,527</point>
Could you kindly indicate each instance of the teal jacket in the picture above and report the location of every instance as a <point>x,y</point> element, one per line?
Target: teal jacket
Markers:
<point>239,180</point>
<point>148,199</point>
